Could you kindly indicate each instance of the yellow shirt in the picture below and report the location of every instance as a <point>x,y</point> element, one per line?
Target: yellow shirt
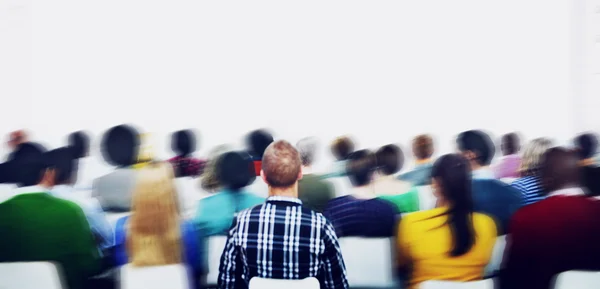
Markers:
<point>425,242</point>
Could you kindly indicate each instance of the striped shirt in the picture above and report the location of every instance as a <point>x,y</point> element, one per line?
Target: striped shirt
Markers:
<point>531,189</point>
<point>364,218</point>
<point>280,239</point>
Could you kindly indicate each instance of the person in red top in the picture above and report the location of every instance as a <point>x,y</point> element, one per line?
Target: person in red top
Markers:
<point>557,234</point>
<point>257,142</point>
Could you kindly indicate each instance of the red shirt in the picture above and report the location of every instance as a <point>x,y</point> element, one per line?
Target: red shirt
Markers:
<point>555,235</point>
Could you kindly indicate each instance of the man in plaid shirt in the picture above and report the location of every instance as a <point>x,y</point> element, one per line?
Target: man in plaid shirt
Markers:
<point>280,239</point>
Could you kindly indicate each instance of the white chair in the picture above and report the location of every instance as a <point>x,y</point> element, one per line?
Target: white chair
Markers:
<point>369,262</point>
<point>216,245</point>
<point>155,277</point>
<point>434,284</point>
<point>29,275</point>
<point>497,255</point>
<point>578,280</point>
<point>426,198</point>
<point>262,283</point>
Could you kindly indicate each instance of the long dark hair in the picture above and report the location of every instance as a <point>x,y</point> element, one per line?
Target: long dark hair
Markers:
<point>452,173</point>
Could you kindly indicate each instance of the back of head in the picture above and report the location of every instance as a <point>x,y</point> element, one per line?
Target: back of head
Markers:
<point>120,146</point>
<point>258,141</point>
<point>360,167</point>
<point>342,147</point>
<point>154,236</point>
<point>281,165</point>
<point>183,142</point>
<point>235,170</point>
<point>307,148</point>
<point>452,179</point>
<point>532,156</point>
<point>29,164</point>
<point>209,180</point>
<point>510,144</point>
<point>64,162</point>
<point>422,147</point>
<point>559,169</point>
<point>477,143</point>
<point>586,145</point>
<point>390,159</point>
<point>79,142</point>
<point>16,138</point>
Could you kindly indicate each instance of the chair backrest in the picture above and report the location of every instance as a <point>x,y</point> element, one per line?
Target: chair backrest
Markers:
<point>216,245</point>
<point>155,277</point>
<point>578,280</point>
<point>496,261</point>
<point>435,284</point>
<point>29,275</point>
<point>369,261</point>
<point>262,283</point>
<point>426,198</point>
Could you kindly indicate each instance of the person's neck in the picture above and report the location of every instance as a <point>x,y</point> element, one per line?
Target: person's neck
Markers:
<point>587,162</point>
<point>423,162</point>
<point>364,192</point>
<point>291,191</point>
<point>475,166</point>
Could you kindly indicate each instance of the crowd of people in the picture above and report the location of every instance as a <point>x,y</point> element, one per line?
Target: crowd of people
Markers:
<point>283,220</point>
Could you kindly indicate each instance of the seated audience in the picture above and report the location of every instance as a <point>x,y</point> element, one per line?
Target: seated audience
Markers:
<point>529,183</point>
<point>64,163</point>
<point>120,146</point>
<point>183,143</point>
<point>422,147</point>
<point>257,141</point>
<point>215,213</point>
<point>341,148</point>
<point>281,239</point>
<point>35,226</point>
<point>313,191</point>
<point>451,242</point>
<point>362,213</point>
<point>490,196</point>
<point>509,165</point>
<point>554,235</point>
<point>155,233</point>
<point>586,147</point>
<point>400,193</point>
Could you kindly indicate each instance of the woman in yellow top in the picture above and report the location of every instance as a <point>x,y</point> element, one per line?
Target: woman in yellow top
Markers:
<point>450,242</point>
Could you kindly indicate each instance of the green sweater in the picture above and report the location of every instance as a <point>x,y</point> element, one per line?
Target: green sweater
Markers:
<point>407,202</point>
<point>39,227</point>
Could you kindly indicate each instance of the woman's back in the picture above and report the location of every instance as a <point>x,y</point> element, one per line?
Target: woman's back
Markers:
<point>425,241</point>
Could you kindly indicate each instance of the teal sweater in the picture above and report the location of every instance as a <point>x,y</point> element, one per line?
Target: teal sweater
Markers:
<point>215,213</point>
<point>39,227</point>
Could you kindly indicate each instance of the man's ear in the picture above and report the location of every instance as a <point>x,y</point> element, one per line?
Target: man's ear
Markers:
<point>263,177</point>
<point>300,174</point>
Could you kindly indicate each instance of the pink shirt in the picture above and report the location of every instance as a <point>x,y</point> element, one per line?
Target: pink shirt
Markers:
<point>508,167</point>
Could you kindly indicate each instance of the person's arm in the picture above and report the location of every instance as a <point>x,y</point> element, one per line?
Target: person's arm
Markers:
<point>228,277</point>
<point>334,269</point>
<point>193,251</point>
<point>99,224</point>
<point>80,244</point>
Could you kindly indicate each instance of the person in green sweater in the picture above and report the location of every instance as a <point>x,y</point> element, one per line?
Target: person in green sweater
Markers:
<point>403,195</point>
<point>36,226</point>
<point>313,191</point>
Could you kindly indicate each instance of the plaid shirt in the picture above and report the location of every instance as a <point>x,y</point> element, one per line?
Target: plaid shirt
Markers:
<point>281,240</point>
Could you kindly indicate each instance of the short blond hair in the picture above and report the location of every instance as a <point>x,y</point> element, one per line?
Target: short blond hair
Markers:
<point>154,236</point>
<point>532,155</point>
<point>281,164</point>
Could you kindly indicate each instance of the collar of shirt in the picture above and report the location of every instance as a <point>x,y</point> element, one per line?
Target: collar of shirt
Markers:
<point>284,199</point>
<point>483,174</point>
<point>29,190</point>
<point>567,192</point>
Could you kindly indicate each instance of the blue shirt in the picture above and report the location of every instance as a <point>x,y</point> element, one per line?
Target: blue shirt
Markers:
<point>215,214</point>
<point>94,214</point>
<point>281,239</point>
<point>419,176</point>
<point>192,250</point>
<point>530,189</point>
<point>365,218</point>
<point>497,200</point>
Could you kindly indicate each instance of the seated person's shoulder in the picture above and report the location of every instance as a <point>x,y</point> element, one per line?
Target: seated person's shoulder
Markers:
<point>484,224</point>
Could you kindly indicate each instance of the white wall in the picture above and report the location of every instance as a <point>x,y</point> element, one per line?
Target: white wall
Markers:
<point>383,71</point>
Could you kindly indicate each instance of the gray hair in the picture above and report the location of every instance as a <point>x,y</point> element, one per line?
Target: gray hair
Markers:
<point>532,155</point>
<point>307,148</point>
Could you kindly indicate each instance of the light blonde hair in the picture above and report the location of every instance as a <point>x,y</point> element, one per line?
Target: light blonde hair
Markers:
<point>154,236</point>
<point>209,180</point>
<point>532,155</point>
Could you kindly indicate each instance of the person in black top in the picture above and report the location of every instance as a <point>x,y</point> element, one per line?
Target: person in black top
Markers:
<point>586,145</point>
